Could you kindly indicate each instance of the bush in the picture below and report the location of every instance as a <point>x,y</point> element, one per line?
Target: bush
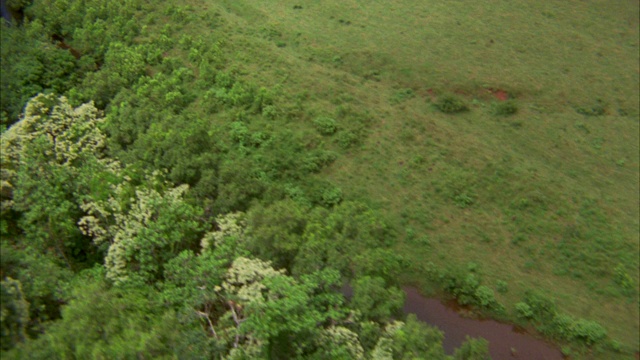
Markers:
<point>596,109</point>
<point>502,287</point>
<point>331,196</point>
<point>451,104</point>
<point>588,331</point>
<point>523,310</point>
<point>347,139</point>
<point>401,95</point>
<point>316,160</point>
<point>542,308</point>
<point>473,349</point>
<point>505,108</point>
<point>623,280</point>
<point>485,296</point>
<point>325,125</point>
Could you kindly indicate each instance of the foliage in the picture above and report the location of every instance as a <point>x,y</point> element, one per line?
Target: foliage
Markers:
<point>541,311</point>
<point>275,232</point>
<point>374,300</point>
<point>409,340</point>
<point>325,125</point>
<point>143,231</point>
<point>467,289</point>
<point>597,109</point>
<point>18,4</point>
<point>53,159</point>
<point>268,180</point>
<point>42,279</point>
<point>622,279</point>
<point>332,237</point>
<point>524,310</point>
<point>268,307</point>
<point>92,323</point>
<point>473,349</point>
<point>505,108</point>
<point>14,313</point>
<point>338,342</point>
<point>401,96</point>
<point>451,104</point>
<point>502,286</point>
<point>30,65</point>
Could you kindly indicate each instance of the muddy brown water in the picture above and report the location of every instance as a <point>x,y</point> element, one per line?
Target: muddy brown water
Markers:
<point>505,341</point>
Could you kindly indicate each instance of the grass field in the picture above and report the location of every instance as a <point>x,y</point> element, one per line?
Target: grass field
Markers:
<point>546,198</point>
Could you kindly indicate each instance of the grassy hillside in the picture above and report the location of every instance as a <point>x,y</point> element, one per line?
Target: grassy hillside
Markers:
<point>498,140</point>
<point>546,198</point>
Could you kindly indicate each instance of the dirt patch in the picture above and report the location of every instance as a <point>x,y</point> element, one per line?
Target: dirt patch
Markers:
<point>499,94</point>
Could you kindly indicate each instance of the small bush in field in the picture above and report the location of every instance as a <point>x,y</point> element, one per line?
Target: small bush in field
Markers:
<point>325,125</point>
<point>524,310</point>
<point>451,104</point>
<point>347,139</point>
<point>502,287</point>
<point>505,108</point>
<point>331,196</point>
<point>597,109</point>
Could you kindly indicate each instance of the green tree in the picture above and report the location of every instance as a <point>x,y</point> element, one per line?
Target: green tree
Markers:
<point>275,232</point>
<point>473,349</point>
<point>409,340</point>
<point>142,230</point>
<point>30,64</point>
<point>104,322</point>
<point>14,313</point>
<point>274,315</point>
<point>42,281</point>
<point>375,300</point>
<point>332,238</point>
<point>53,160</point>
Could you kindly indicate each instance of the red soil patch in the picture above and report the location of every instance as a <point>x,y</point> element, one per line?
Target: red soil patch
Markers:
<point>499,94</point>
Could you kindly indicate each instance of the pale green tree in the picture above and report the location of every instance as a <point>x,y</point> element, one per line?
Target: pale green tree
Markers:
<point>409,340</point>
<point>142,230</point>
<point>52,160</point>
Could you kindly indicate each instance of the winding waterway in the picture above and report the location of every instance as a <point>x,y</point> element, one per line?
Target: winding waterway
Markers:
<point>505,341</point>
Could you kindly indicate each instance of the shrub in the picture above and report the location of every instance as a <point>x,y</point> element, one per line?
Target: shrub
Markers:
<point>331,196</point>
<point>523,310</point>
<point>561,327</point>
<point>463,200</point>
<point>622,279</point>
<point>505,108</point>
<point>543,309</point>
<point>347,139</point>
<point>451,104</point>
<point>401,95</point>
<point>502,287</point>
<point>588,331</point>
<point>316,160</point>
<point>596,109</point>
<point>485,296</point>
<point>473,349</point>
<point>270,112</point>
<point>325,125</point>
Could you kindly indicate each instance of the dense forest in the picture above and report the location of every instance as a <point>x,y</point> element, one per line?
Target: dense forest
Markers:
<point>218,179</point>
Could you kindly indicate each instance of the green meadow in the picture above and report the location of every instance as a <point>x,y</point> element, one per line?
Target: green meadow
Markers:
<point>497,140</point>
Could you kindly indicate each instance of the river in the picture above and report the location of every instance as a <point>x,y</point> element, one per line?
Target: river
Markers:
<point>505,341</point>
<point>4,12</point>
